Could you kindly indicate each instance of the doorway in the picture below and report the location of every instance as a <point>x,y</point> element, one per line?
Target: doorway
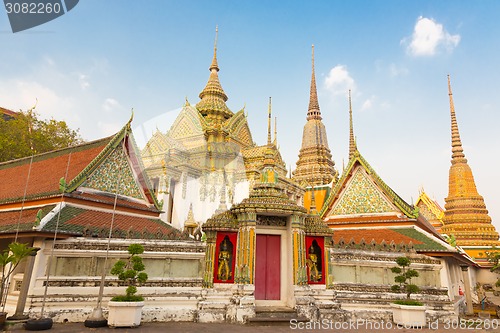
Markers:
<point>268,267</point>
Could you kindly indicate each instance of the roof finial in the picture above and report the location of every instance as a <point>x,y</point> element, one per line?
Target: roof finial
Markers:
<point>216,35</point>
<point>313,111</point>
<point>214,64</point>
<point>269,123</point>
<point>275,131</point>
<point>456,144</point>
<point>352,141</point>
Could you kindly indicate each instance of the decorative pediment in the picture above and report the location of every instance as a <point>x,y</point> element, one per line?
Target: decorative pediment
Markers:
<point>361,196</point>
<point>113,170</point>
<point>188,123</point>
<point>238,128</point>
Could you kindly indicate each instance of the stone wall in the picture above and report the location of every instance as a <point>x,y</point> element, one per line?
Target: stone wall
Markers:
<point>172,291</point>
<point>362,280</point>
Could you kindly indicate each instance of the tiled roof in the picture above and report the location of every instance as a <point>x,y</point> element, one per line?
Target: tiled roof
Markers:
<point>46,171</point>
<point>11,220</point>
<point>110,199</point>
<point>86,222</point>
<point>420,241</point>
<point>348,219</point>
<point>7,114</point>
<point>40,175</point>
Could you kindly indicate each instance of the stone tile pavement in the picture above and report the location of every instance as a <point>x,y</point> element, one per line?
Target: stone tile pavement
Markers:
<point>188,327</point>
<point>474,325</point>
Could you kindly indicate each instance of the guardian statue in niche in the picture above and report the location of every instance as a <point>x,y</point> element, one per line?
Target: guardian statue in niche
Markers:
<point>314,262</point>
<point>225,260</point>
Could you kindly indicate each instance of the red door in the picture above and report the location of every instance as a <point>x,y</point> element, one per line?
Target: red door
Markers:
<point>267,267</point>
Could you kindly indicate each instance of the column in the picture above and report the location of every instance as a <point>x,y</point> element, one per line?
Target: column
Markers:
<point>208,276</point>
<point>23,293</point>
<point>468,297</point>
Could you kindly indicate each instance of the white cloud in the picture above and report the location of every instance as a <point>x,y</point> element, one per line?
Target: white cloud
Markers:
<point>428,36</point>
<point>339,81</point>
<point>110,104</point>
<point>84,82</point>
<point>23,94</point>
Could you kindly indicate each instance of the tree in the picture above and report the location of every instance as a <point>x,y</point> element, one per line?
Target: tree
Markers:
<point>493,257</point>
<point>25,134</point>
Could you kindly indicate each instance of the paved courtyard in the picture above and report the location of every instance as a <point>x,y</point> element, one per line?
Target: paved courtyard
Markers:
<point>474,325</point>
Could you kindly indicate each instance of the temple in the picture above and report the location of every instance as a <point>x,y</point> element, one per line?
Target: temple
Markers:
<point>228,236</point>
<point>208,157</point>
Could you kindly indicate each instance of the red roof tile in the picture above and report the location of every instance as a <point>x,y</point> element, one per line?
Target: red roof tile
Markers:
<point>46,171</point>
<point>10,221</point>
<point>8,113</point>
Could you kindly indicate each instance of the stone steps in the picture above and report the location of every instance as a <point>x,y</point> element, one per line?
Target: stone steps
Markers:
<point>275,316</point>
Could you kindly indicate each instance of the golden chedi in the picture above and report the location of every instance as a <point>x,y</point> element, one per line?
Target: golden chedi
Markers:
<point>465,216</point>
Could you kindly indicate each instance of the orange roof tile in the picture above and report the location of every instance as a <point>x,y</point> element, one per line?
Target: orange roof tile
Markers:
<point>376,234</point>
<point>11,220</point>
<point>46,171</point>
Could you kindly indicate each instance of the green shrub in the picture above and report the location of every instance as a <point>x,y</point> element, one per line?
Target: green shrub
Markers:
<point>403,279</point>
<point>130,271</point>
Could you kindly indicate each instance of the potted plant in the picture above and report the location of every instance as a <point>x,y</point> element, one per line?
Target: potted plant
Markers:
<point>126,310</point>
<point>10,258</point>
<point>406,312</point>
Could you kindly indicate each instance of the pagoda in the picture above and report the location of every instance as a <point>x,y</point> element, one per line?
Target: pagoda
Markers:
<point>465,216</point>
<point>315,167</point>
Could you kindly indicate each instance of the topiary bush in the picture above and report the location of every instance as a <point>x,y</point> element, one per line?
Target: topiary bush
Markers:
<point>131,272</point>
<point>403,280</point>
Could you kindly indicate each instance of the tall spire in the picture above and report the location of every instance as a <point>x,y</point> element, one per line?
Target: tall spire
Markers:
<point>315,165</point>
<point>465,216</point>
<point>313,111</point>
<point>456,144</point>
<point>213,98</point>
<point>214,64</point>
<point>352,141</point>
<point>275,142</point>
<point>269,123</point>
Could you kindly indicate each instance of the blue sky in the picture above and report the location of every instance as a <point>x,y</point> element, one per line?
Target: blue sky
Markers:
<point>93,64</point>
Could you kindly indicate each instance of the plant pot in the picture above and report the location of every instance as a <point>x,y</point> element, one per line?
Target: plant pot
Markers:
<point>124,314</point>
<point>409,315</point>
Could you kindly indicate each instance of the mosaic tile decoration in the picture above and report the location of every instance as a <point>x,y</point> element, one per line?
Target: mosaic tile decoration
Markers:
<point>105,177</point>
<point>361,196</point>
